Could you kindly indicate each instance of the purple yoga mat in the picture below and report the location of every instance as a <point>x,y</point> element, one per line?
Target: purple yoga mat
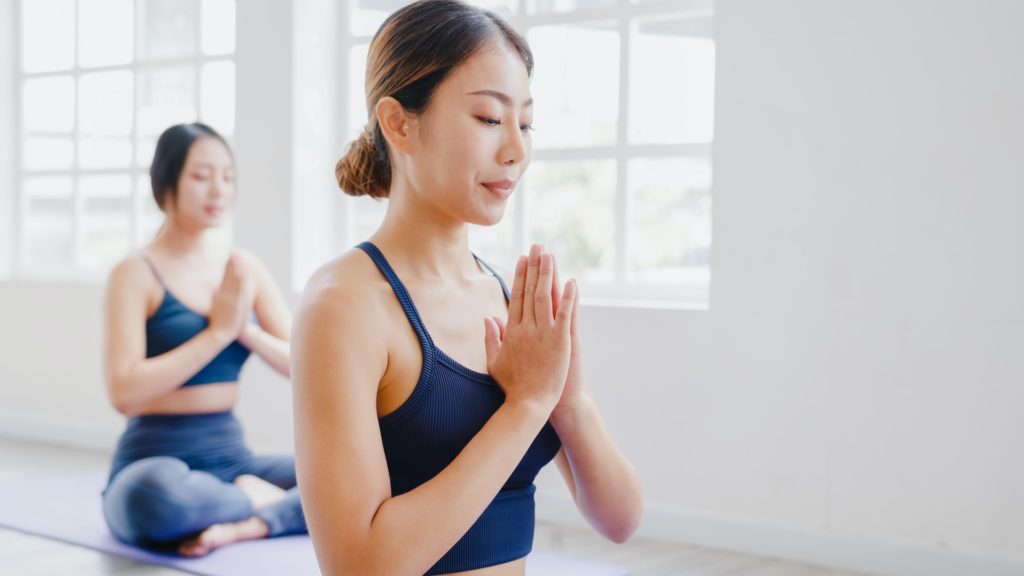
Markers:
<point>67,508</point>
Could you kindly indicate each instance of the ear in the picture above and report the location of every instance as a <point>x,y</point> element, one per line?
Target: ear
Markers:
<point>395,123</point>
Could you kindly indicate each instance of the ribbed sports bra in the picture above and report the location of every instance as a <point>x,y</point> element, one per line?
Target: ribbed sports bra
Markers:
<point>174,323</point>
<point>448,407</point>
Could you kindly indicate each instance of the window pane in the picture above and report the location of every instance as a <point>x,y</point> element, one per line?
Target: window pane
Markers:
<point>167,28</point>
<point>537,6</point>
<point>106,219</point>
<point>357,114</point>
<point>368,15</point>
<point>48,230</point>
<point>218,20</point>
<point>676,107</point>
<point>571,211</point>
<point>105,32</point>
<point>49,104</point>
<point>151,216</point>
<point>101,152</point>
<point>217,99</point>
<point>105,103</point>
<point>575,85</point>
<point>47,35</point>
<point>670,223</point>
<point>48,154</point>
<point>167,96</point>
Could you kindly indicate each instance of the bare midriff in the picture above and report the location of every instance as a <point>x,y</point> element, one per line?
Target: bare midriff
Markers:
<point>200,399</point>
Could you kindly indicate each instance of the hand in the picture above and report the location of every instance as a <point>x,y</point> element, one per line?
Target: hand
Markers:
<point>233,301</point>
<point>529,357</point>
<point>575,389</point>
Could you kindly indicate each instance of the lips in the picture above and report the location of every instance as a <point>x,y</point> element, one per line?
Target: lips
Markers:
<point>501,188</point>
<point>214,210</point>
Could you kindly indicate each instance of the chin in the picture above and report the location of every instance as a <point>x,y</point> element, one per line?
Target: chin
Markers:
<point>491,217</point>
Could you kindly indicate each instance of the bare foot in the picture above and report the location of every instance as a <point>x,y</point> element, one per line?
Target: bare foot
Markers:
<point>218,535</point>
<point>261,492</point>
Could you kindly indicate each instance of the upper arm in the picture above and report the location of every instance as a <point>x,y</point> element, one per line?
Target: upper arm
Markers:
<point>337,364</point>
<point>124,319</point>
<point>269,304</point>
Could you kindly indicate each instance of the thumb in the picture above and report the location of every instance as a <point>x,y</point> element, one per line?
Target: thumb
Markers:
<point>492,340</point>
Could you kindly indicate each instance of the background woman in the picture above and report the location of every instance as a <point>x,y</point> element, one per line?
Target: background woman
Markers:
<point>179,327</point>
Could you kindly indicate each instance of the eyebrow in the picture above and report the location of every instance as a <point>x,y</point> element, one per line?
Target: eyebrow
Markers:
<point>503,98</point>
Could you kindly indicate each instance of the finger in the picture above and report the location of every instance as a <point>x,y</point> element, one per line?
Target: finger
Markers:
<point>575,324</point>
<point>492,340</point>
<point>515,303</point>
<point>543,307</point>
<point>530,293</point>
<point>555,286</point>
<point>564,318</point>
<point>501,326</point>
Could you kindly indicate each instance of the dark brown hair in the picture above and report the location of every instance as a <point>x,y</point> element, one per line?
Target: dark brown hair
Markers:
<point>415,49</point>
<point>169,158</point>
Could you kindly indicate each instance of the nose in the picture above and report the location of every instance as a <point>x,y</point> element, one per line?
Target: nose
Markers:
<point>514,150</point>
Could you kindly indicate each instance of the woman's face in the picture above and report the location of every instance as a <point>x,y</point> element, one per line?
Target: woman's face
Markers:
<point>206,187</point>
<point>472,144</point>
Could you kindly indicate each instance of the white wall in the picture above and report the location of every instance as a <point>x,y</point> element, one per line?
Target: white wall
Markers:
<point>853,395</point>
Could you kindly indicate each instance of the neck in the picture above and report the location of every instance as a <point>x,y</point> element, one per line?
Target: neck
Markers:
<point>180,240</point>
<point>424,242</point>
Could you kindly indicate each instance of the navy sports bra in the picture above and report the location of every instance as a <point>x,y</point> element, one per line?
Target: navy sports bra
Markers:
<point>174,323</point>
<point>448,406</point>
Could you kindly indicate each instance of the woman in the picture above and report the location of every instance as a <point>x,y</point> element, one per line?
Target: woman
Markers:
<point>178,331</point>
<point>419,429</point>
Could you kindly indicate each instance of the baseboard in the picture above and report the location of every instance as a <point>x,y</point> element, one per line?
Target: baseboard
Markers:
<point>60,431</point>
<point>845,552</point>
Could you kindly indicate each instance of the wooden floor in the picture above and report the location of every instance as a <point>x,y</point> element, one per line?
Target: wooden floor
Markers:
<point>24,555</point>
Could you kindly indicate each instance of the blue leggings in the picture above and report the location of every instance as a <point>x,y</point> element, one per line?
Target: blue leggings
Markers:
<point>172,478</point>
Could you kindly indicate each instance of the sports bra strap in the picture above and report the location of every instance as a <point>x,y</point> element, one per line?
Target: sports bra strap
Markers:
<point>504,287</point>
<point>156,272</point>
<point>400,292</point>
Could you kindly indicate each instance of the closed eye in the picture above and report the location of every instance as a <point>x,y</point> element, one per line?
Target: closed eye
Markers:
<point>496,122</point>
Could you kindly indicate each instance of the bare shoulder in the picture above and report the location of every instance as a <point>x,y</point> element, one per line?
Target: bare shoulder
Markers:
<point>131,273</point>
<point>252,263</point>
<point>348,293</point>
<point>338,344</point>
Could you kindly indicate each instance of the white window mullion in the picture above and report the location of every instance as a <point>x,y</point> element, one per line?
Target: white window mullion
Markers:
<point>622,160</point>
<point>344,218</point>
<point>135,222</point>
<point>76,137</point>
<point>18,251</point>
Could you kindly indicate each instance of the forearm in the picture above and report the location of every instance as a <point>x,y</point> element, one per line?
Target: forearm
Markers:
<point>454,499</point>
<point>607,488</point>
<point>276,352</point>
<point>154,377</point>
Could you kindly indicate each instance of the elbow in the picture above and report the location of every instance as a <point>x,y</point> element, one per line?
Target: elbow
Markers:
<point>622,532</point>
<point>120,402</point>
<point>622,528</point>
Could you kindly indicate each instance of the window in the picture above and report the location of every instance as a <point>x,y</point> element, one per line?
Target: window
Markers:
<point>99,80</point>
<point>620,183</point>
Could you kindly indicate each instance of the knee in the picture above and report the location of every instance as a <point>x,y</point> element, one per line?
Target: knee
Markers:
<point>143,502</point>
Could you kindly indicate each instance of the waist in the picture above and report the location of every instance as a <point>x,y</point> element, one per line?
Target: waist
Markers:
<point>201,440</point>
<point>503,533</point>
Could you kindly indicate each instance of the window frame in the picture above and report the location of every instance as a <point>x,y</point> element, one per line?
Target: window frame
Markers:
<point>620,291</point>
<point>73,270</point>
